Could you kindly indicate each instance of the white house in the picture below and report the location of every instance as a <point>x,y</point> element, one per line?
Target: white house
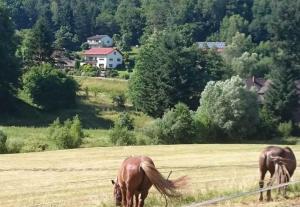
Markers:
<point>103,57</point>
<point>100,41</point>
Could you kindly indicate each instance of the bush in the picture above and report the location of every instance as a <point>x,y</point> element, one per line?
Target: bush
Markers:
<point>3,138</point>
<point>14,145</point>
<point>49,88</point>
<point>119,100</point>
<point>267,124</point>
<point>177,126</point>
<point>125,121</point>
<point>285,129</point>
<point>112,73</point>
<point>34,144</point>
<point>88,70</point>
<point>66,135</point>
<point>122,136</point>
<point>125,76</point>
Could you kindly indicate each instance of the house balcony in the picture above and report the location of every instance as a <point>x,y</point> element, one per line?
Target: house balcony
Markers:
<point>91,62</point>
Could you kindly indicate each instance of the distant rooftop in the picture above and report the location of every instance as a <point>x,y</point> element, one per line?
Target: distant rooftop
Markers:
<point>210,45</point>
<point>96,37</point>
<point>99,51</point>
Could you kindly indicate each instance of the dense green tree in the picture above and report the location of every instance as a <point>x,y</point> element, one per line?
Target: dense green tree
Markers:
<point>284,27</point>
<point>261,17</point>
<point>282,99</point>
<point>40,43</point>
<point>229,107</point>
<point>64,38</point>
<point>25,49</point>
<point>49,88</point>
<point>9,71</point>
<point>106,24</point>
<point>215,65</point>
<point>230,26</point>
<point>241,7</point>
<point>130,20</point>
<point>17,13</point>
<point>156,13</point>
<point>166,73</point>
<point>82,22</point>
<point>246,65</point>
<point>210,14</point>
<point>240,44</point>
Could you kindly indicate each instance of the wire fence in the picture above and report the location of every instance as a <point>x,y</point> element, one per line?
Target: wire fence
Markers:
<point>243,194</point>
<point>163,170</point>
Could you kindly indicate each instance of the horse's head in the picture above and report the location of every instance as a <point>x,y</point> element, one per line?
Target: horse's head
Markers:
<point>117,193</point>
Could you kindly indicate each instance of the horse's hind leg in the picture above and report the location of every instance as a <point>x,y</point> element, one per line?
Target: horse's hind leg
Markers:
<point>142,198</point>
<point>261,184</point>
<point>269,198</point>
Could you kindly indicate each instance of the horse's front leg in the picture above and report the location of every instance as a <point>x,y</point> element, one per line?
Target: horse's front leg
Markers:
<point>124,200</point>
<point>137,199</point>
<point>129,198</point>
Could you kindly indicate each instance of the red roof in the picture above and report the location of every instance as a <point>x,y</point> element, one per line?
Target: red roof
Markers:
<point>99,51</point>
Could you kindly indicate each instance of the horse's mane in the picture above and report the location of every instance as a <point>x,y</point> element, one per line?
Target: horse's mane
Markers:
<point>164,186</point>
<point>289,149</point>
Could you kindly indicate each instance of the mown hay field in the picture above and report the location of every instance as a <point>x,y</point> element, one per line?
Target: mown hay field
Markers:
<point>81,177</point>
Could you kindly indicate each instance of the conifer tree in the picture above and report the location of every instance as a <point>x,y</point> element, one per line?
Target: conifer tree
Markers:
<point>9,71</point>
<point>281,98</point>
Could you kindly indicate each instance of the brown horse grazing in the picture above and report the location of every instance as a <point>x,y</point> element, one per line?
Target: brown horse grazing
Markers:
<point>280,162</point>
<point>135,178</point>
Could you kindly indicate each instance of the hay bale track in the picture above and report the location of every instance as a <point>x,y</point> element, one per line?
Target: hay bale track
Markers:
<point>81,177</point>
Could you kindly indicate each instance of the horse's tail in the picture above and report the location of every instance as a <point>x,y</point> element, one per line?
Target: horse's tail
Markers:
<point>164,186</point>
<point>281,174</point>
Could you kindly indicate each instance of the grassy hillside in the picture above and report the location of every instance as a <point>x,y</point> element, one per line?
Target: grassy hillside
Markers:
<point>82,177</point>
<point>94,106</point>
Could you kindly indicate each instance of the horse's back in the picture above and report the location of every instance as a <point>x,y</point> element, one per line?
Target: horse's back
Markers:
<point>266,162</point>
<point>130,174</point>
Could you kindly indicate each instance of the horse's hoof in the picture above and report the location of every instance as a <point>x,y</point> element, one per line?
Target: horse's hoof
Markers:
<point>261,199</point>
<point>270,199</point>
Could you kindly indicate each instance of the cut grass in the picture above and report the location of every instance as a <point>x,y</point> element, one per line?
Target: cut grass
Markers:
<point>81,177</point>
<point>109,86</point>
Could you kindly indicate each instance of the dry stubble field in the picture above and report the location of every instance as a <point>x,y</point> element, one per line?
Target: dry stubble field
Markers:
<point>81,177</point>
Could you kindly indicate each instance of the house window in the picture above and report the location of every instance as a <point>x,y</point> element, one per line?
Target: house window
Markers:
<point>110,59</point>
<point>101,58</point>
<point>119,60</point>
<point>90,58</point>
<point>110,65</point>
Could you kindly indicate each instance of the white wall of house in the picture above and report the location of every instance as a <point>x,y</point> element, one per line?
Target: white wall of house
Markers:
<point>114,59</point>
<point>105,41</point>
<point>111,60</point>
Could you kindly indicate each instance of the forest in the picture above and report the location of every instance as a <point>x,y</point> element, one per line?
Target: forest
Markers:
<point>190,92</point>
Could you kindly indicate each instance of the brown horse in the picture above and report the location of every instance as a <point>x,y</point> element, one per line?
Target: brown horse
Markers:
<point>135,178</point>
<point>280,162</point>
